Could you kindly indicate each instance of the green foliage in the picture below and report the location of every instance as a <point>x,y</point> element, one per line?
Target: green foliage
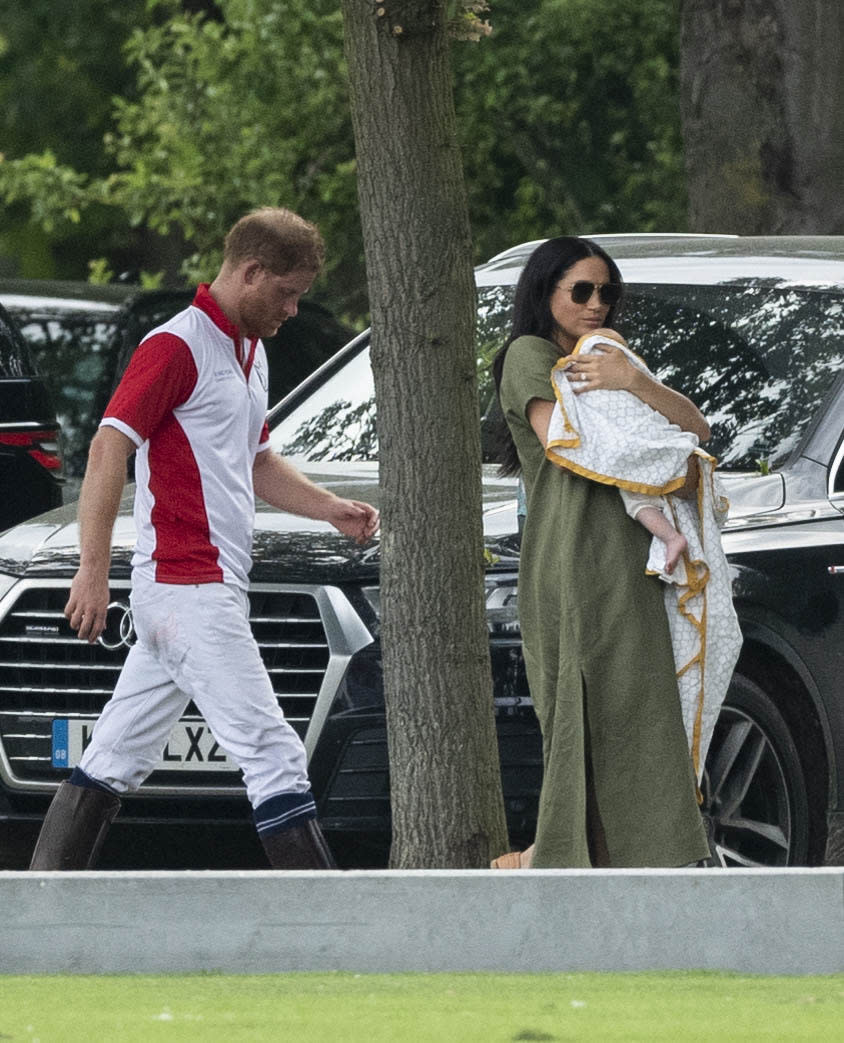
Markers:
<point>99,271</point>
<point>59,68</point>
<point>465,21</point>
<point>235,114</point>
<point>55,193</point>
<point>568,119</point>
<point>228,114</point>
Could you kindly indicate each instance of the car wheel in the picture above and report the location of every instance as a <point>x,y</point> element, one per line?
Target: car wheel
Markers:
<point>754,792</point>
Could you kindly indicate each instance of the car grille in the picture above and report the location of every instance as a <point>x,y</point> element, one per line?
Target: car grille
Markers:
<point>47,673</point>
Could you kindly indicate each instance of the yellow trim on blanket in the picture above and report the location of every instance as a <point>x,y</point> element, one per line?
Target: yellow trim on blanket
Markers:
<point>697,571</point>
<point>574,442</point>
<point>565,443</point>
<point>697,574</point>
<point>606,479</point>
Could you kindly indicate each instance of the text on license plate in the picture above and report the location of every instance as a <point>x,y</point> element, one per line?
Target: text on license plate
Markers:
<point>190,747</point>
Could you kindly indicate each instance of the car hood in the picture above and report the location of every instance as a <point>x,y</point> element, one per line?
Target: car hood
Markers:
<point>286,548</point>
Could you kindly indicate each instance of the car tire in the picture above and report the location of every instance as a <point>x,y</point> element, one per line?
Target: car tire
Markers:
<point>754,791</point>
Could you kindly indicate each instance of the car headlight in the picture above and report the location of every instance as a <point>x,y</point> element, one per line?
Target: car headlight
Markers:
<point>502,604</point>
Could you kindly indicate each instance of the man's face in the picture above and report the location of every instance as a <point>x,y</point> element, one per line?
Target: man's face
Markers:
<point>268,299</point>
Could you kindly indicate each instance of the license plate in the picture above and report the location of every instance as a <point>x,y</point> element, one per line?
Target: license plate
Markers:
<point>191,746</point>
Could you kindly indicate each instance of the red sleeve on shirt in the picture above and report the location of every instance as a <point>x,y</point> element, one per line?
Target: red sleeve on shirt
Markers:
<point>265,435</point>
<point>160,376</point>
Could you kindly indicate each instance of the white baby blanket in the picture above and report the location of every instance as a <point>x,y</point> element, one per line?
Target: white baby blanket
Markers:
<point>615,438</point>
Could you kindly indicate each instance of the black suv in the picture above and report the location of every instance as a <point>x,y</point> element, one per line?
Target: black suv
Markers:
<point>82,335</point>
<point>30,444</point>
<point>753,331</point>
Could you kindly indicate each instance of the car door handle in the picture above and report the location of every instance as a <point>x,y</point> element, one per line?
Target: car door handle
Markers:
<point>835,570</point>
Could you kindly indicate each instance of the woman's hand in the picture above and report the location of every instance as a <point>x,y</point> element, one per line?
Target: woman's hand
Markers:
<point>605,367</point>
<point>609,368</point>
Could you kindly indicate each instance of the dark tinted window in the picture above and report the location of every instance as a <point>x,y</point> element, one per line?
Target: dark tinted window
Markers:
<point>14,357</point>
<point>336,421</point>
<point>757,360</point>
<point>72,349</point>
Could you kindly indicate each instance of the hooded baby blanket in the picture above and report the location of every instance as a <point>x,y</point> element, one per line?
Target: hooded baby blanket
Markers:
<point>615,438</point>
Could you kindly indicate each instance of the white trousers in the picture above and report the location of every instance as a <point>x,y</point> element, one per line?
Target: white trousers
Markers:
<point>195,642</point>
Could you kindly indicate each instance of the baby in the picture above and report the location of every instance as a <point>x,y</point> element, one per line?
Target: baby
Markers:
<point>651,510</point>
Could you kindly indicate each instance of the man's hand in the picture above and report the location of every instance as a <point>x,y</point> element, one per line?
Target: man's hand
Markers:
<point>281,485</point>
<point>99,501</point>
<point>355,519</point>
<point>87,604</point>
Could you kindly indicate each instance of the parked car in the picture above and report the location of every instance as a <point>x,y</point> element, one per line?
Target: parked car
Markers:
<point>753,330</point>
<point>31,473</point>
<point>82,337</point>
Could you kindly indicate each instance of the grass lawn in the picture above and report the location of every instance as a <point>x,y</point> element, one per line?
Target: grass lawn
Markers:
<point>446,1008</point>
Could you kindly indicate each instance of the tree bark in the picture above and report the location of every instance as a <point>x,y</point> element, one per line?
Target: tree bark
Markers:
<point>445,775</point>
<point>762,105</point>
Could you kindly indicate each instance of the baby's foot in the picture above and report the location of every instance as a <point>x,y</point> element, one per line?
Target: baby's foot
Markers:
<point>674,548</point>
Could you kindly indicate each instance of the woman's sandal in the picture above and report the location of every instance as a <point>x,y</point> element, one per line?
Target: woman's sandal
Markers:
<point>514,860</point>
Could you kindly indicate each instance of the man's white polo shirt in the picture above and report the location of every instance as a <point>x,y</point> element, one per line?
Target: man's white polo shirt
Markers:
<point>193,400</point>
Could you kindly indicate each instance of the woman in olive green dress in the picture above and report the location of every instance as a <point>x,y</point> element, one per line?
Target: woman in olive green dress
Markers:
<point>618,786</point>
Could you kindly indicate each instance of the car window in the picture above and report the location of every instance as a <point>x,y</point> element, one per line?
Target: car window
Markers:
<point>758,360</point>
<point>15,360</point>
<point>72,352</point>
<point>335,422</point>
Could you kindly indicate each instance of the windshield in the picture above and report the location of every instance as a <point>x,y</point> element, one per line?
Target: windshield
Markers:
<point>757,360</point>
<point>336,421</point>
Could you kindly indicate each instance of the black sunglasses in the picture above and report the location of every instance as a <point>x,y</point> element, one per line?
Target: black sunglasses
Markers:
<point>609,293</point>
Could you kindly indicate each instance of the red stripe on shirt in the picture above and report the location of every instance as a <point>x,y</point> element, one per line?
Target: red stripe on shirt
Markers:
<point>183,551</point>
<point>160,376</point>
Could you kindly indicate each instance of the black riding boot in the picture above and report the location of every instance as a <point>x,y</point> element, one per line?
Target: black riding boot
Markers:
<point>301,847</point>
<point>75,827</point>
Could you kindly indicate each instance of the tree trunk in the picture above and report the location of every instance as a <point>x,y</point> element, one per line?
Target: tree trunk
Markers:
<point>762,104</point>
<point>445,775</point>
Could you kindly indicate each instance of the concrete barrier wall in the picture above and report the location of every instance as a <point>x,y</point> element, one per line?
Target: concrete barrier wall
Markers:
<point>750,921</point>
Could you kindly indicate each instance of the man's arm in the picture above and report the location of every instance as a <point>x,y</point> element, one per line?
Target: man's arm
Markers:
<point>99,501</point>
<point>281,485</point>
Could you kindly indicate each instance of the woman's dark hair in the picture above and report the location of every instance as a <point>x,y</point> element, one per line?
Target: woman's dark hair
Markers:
<point>532,312</point>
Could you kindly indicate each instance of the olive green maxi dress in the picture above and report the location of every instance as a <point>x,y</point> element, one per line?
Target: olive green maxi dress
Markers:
<point>599,661</point>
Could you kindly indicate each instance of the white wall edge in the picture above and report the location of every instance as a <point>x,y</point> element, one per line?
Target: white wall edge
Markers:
<point>753,921</point>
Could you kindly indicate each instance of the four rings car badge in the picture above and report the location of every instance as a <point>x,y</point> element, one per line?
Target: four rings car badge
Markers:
<point>119,629</point>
